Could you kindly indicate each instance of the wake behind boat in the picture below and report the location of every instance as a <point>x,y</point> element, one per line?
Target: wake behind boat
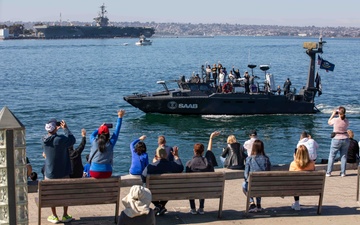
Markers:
<point>198,96</point>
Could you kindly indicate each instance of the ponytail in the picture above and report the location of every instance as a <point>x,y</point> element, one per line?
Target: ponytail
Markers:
<point>102,140</point>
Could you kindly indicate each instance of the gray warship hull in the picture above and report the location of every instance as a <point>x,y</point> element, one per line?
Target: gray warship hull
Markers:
<point>59,32</point>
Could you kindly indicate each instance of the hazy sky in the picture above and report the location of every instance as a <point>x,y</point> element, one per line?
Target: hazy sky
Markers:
<point>252,12</point>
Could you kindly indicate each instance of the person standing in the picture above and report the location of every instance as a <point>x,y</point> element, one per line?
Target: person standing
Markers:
<point>257,161</point>
<point>75,157</point>
<point>57,161</point>
<point>286,86</point>
<point>340,142</point>
<point>353,151</point>
<point>102,149</point>
<point>247,82</point>
<point>214,74</point>
<point>200,164</point>
<point>302,162</point>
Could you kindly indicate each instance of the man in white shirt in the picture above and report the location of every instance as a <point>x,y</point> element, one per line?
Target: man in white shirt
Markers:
<point>249,143</point>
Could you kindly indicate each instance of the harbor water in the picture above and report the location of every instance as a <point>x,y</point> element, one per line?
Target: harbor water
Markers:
<point>83,82</point>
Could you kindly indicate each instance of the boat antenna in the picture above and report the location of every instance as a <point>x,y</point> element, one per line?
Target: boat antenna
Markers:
<point>60,20</point>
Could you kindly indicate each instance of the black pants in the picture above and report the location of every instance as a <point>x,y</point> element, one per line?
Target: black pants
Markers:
<point>159,204</point>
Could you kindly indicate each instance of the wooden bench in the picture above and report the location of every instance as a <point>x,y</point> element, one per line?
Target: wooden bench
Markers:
<point>181,186</point>
<point>286,183</point>
<point>78,191</point>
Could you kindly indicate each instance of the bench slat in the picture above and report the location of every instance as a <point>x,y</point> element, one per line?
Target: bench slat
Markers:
<point>80,191</point>
<point>166,197</point>
<point>79,197</point>
<point>286,187</point>
<point>185,180</point>
<point>293,183</point>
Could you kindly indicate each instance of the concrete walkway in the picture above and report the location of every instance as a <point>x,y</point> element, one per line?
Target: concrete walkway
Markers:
<point>339,207</point>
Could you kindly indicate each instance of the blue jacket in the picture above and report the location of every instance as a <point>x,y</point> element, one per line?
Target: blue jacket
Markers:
<point>162,166</point>
<point>103,161</point>
<point>57,162</point>
<point>138,162</point>
<point>256,163</point>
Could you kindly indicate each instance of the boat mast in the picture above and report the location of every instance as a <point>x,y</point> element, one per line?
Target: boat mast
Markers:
<point>312,49</point>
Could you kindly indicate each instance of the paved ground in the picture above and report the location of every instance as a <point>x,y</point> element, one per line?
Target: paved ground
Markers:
<point>339,207</point>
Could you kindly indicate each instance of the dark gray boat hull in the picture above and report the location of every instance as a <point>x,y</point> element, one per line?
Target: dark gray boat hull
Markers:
<point>222,104</point>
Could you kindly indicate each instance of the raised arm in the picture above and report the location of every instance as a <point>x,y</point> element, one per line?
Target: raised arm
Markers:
<point>212,135</point>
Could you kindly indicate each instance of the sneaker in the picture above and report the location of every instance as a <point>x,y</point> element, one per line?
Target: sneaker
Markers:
<point>296,206</point>
<point>259,209</point>
<point>67,218</point>
<point>328,174</point>
<point>252,208</point>
<point>193,211</point>
<point>156,211</point>
<point>342,174</point>
<point>201,211</point>
<point>53,219</point>
<point>162,211</point>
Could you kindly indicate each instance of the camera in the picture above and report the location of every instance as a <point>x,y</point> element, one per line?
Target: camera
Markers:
<point>337,112</point>
<point>109,125</point>
<point>58,123</point>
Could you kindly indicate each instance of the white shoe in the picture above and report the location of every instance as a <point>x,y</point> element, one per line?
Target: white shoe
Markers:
<point>296,206</point>
<point>328,174</point>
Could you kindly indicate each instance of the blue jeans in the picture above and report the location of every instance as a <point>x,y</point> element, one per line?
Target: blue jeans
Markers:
<point>245,189</point>
<point>341,145</point>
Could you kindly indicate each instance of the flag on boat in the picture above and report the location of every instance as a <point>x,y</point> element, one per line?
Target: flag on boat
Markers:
<point>318,83</point>
<point>326,65</point>
<point>319,60</point>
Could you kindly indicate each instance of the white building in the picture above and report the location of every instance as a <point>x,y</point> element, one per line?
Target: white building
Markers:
<point>4,33</point>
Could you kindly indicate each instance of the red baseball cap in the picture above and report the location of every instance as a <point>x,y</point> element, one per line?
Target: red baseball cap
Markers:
<point>103,129</point>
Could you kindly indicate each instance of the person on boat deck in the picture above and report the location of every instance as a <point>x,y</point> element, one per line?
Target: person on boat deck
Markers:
<point>353,151</point>
<point>278,90</point>
<point>247,82</point>
<point>163,166</point>
<point>222,78</point>
<point>214,74</point>
<point>302,162</point>
<point>102,149</point>
<point>232,77</point>
<point>236,73</point>
<point>208,73</point>
<point>286,86</point>
<point>249,143</point>
<point>201,164</point>
<point>139,157</point>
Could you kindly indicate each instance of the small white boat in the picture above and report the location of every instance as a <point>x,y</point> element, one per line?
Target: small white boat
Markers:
<point>143,41</point>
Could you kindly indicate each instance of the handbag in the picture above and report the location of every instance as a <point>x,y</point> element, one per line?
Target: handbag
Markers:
<point>333,134</point>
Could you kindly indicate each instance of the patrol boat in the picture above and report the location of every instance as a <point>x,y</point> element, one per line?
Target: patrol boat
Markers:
<point>197,97</point>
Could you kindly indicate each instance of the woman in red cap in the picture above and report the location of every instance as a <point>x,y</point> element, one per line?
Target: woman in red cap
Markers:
<point>102,149</point>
